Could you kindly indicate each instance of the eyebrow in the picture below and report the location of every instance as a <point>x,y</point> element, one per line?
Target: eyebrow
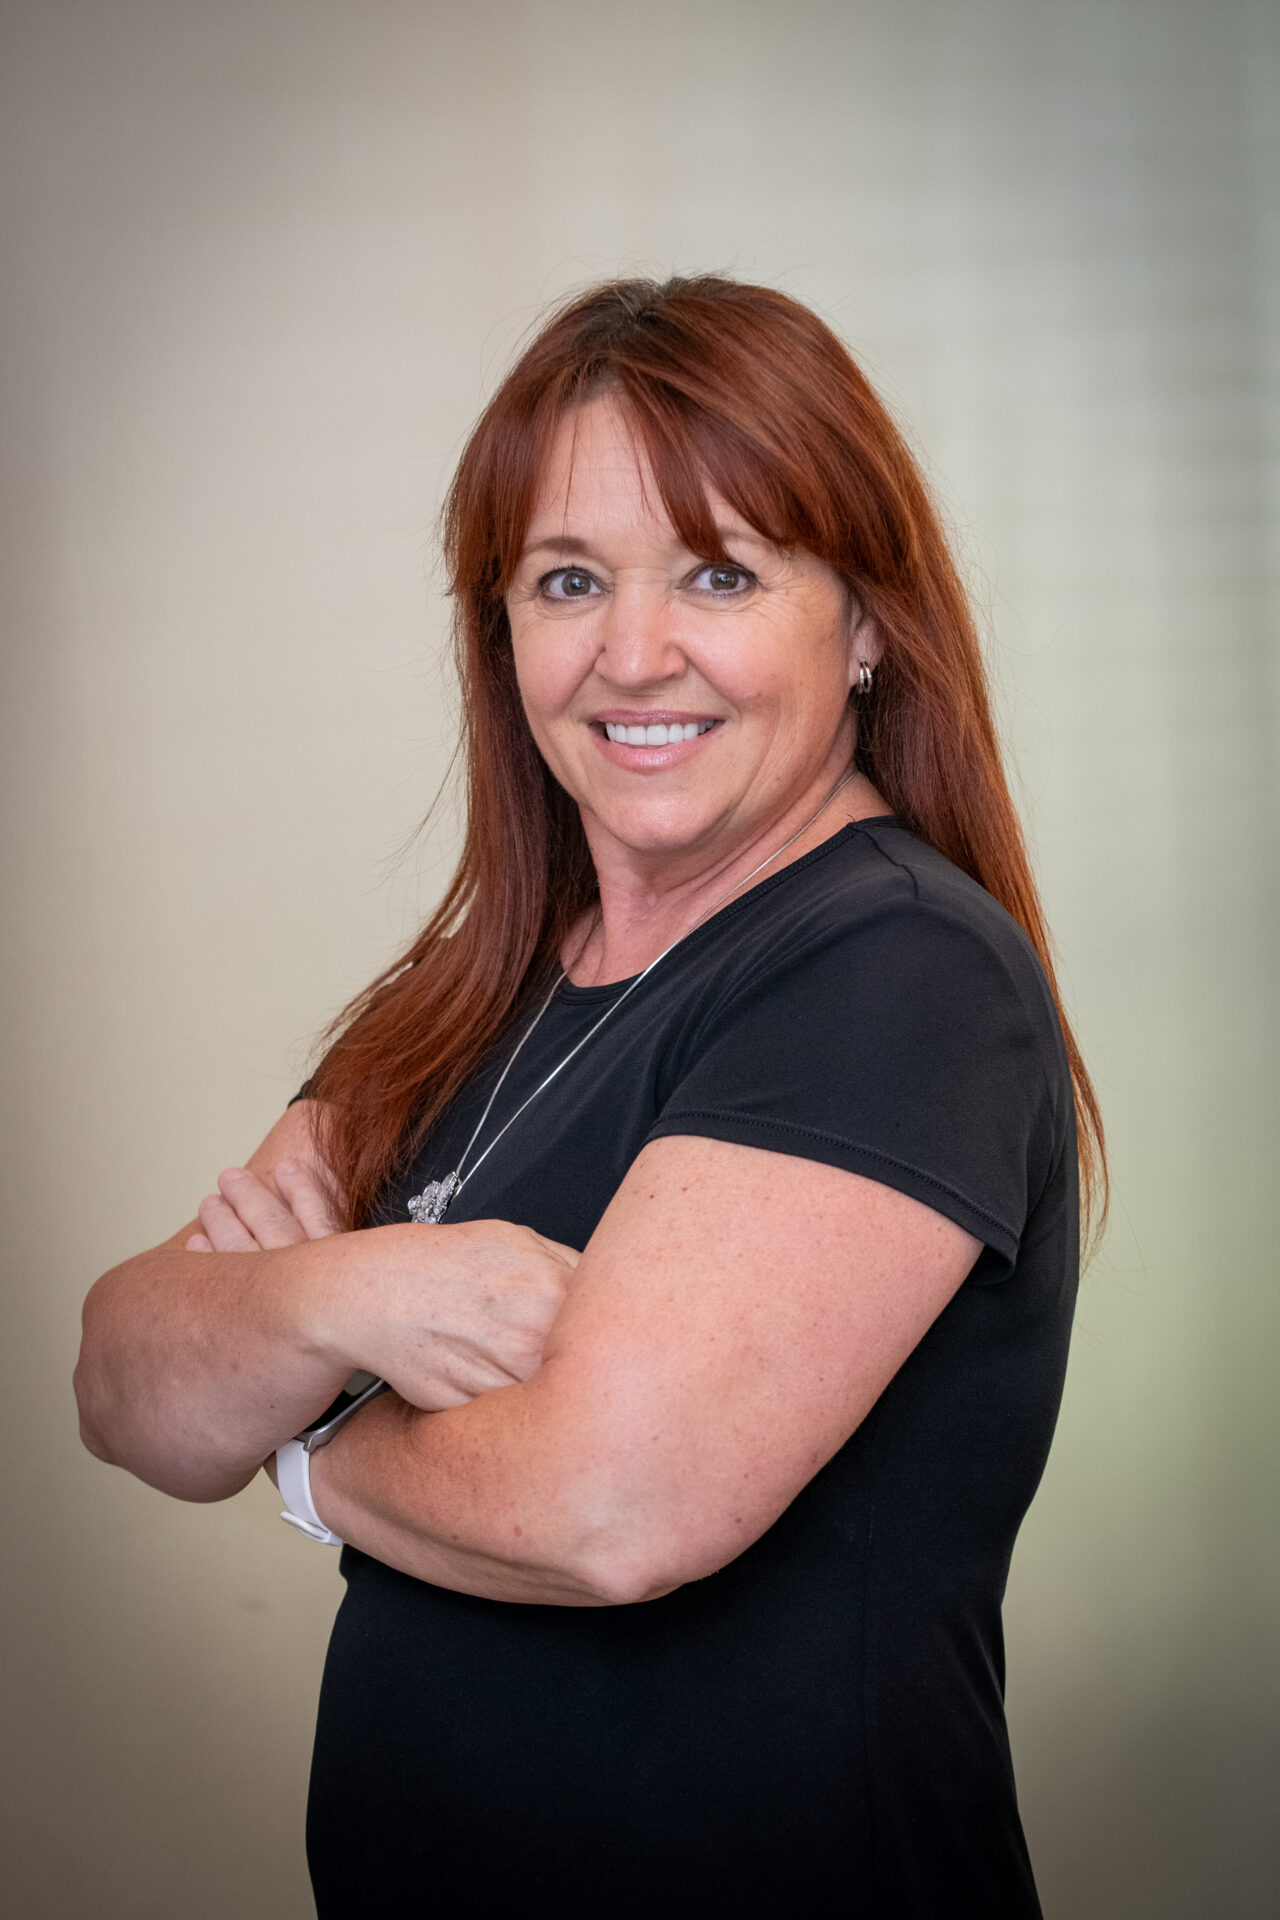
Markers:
<point>567,547</point>
<point>557,543</point>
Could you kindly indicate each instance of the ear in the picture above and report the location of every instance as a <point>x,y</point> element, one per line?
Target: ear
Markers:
<point>864,637</point>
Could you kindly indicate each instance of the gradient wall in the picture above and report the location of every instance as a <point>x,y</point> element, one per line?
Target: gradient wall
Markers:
<point>263,264</point>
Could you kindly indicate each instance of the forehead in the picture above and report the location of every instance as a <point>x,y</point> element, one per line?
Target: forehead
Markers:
<point>597,474</point>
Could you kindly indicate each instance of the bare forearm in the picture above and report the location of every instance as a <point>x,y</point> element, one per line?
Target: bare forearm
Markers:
<point>711,1356</point>
<point>480,1499</point>
<point>195,1366</point>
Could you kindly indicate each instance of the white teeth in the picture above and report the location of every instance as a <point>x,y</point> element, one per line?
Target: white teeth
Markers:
<point>657,735</point>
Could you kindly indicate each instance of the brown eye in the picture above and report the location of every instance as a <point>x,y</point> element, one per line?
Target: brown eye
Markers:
<point>727,582</point>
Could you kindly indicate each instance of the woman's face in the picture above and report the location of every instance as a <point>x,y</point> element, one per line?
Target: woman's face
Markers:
<point>686,706</point>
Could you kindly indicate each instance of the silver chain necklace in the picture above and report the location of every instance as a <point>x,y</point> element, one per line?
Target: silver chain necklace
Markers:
<point>429,1207</point>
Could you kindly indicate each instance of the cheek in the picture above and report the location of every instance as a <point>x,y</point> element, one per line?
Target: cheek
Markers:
<point>795,684</point>
<point>547,673</point>
<point>822,672</point>
<point>532,663</point>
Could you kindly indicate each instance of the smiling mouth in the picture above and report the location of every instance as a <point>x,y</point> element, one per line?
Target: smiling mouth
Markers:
<point>658,733</point>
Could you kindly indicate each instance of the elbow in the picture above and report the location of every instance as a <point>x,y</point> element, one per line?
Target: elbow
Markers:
<point>620,1537</point>
<point>125,1426</point>
<point>92,1441</point>
<point>624,1561</point>
<point>89,1386</point>
<point>93,1432</point>
<point>93,1427</point>
<point>617,1576</point>
<point>618,1585</point>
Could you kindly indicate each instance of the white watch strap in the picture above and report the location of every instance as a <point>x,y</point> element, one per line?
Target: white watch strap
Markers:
<point>293,1477</point>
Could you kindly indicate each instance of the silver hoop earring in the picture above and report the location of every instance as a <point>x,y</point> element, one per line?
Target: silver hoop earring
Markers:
<point>866,674</point>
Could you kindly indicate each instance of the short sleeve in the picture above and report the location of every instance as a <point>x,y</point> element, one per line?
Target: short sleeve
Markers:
<point>911,1048</point>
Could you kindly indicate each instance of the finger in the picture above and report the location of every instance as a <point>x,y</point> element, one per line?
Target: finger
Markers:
<point>263,1213</point>
<point>226,1231</point>
<point>308,1197</point>
<point>199,1243</point>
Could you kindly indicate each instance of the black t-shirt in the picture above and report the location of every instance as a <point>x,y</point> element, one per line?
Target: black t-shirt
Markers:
<point>818,1728</point>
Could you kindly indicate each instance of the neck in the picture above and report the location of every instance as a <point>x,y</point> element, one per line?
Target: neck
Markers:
<point>648,902</point>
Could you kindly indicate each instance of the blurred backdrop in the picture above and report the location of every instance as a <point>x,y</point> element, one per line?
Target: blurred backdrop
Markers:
<point>263,264</point>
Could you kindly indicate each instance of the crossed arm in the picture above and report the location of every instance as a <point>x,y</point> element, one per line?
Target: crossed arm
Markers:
<point>731,1321</point>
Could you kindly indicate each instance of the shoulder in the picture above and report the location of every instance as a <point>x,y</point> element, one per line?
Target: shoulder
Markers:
<point>881,868</point>
<point>896,883</point>
<point>875,910</point>
<point>876,1008</point>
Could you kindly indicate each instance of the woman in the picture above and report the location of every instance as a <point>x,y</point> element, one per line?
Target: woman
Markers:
<point>685,1591</point>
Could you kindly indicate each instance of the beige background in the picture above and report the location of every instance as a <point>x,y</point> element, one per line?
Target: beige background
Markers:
<point>263,262</point>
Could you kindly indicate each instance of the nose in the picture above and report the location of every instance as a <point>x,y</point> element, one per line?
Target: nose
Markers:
<point>639,646</point>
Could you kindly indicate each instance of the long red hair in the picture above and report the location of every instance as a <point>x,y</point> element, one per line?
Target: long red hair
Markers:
<point>742,388</point>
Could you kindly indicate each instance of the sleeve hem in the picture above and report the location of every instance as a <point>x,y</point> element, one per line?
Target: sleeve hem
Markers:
<point>811,1143</point>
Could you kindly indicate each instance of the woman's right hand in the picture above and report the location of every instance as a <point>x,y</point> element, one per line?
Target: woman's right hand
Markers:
<point>199,1361</point>
<point>443,1312</point>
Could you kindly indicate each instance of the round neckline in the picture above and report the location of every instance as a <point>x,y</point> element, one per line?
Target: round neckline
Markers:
<point>569,994</point>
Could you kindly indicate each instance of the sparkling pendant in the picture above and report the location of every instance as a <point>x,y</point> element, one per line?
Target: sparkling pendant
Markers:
<point>428,1208</point>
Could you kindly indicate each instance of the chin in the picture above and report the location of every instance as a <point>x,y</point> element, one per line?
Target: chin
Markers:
<point>655,831</point>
